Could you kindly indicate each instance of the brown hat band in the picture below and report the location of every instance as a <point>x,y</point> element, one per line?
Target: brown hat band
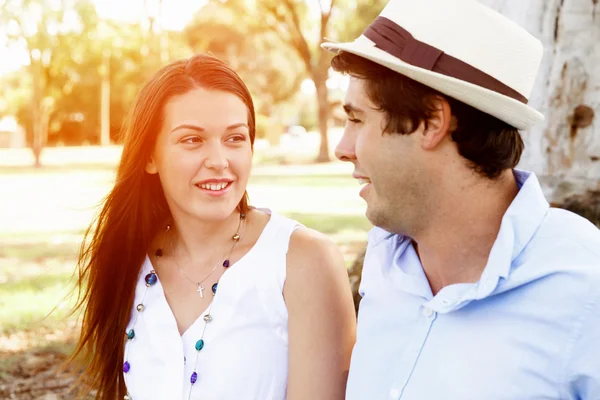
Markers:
<point>397,41</point>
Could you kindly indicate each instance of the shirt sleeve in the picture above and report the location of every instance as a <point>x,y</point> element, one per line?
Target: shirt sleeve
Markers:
<point>583,362</point>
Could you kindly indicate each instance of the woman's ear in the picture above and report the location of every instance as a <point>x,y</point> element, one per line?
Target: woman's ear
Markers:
<point>151,167</point>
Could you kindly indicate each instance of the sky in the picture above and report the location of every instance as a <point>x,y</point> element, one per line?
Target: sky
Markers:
<point>175,15</point>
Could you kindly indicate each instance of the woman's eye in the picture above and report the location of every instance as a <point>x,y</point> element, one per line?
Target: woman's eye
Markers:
<point>354,120</point>
<point>237,138</point>
<point>191,140</point>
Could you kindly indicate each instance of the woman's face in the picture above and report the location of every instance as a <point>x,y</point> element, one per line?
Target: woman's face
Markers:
<point>203,154</point>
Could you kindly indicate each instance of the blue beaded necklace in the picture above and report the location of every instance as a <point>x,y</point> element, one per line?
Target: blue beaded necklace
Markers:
<point>151,279</point>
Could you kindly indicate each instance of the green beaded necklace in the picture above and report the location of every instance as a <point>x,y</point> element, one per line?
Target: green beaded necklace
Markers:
<point>151,279</point>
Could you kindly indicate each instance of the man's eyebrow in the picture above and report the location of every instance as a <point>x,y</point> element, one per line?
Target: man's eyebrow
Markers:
<point>350,108</point>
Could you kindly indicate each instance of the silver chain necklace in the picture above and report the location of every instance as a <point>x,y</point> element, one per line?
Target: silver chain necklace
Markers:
<point>199,288</point>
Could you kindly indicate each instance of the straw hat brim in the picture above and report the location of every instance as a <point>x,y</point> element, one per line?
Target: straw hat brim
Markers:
<point>505,108</point>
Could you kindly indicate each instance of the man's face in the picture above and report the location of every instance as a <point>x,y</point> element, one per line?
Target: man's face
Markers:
<point>389,166</point>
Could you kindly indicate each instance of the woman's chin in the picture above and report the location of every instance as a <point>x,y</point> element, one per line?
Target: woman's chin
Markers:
<point>208,211</point>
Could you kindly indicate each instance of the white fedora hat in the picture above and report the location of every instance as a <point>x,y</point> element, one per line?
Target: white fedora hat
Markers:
<point>460,48</point>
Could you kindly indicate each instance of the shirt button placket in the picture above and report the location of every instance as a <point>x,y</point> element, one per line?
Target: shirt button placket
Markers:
<point>430,316</point>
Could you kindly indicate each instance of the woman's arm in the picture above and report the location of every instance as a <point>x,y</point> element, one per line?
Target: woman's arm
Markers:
<point>322,322</point>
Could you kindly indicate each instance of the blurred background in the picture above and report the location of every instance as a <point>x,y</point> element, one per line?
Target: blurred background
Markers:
<point>69,70</point>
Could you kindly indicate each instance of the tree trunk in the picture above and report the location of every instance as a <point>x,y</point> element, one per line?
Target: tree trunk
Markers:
<point>37,154</point>
<point>567,90</point>
<point>39,114</point>
<point>320,80</point>
<point>105,99</point>
<point>40,134</point>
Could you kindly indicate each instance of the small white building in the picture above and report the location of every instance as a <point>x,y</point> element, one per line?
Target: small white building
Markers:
<point>12,135</point>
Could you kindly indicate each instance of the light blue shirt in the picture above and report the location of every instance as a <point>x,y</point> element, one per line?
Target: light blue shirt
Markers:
<point>528,330</point>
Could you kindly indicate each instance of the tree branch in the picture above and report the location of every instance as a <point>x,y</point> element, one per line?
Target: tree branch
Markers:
<point>272,12</point>
<point>325,17</point>
<point>283,35</point>
<point>324,58</point>
<point>25,38</point>
<point>300,41</point>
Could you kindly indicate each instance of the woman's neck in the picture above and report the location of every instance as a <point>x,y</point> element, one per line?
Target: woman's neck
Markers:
<point>193,238</point>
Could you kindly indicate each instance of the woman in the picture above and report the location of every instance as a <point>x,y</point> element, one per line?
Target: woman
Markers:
<point>189,293</point>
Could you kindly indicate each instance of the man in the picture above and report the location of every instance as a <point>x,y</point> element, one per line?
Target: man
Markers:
<point>473,287</point>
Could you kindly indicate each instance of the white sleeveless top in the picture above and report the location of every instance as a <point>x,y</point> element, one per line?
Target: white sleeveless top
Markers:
<point>245,355</point>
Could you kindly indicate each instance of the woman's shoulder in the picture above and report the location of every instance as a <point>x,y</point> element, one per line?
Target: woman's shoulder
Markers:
<point>305,238</point>
<point>266,220</point>
<point>306,245</point>
<point>315,262</point>
<point>310,249</point>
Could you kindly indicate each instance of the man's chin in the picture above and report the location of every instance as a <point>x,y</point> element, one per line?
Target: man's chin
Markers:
<point>373,216</point>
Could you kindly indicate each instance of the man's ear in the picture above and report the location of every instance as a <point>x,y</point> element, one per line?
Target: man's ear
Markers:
<point>438,125</point>
<point>151,167</point>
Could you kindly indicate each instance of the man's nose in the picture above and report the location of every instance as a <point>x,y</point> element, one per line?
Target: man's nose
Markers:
<point>345,149</point>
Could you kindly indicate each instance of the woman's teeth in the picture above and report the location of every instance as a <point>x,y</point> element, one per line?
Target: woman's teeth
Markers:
<point>213,186</point>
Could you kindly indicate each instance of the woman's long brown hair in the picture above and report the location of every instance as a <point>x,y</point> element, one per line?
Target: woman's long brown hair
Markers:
<point>115,245</point>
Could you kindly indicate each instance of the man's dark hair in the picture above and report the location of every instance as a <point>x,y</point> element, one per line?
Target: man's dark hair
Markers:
<point>491,146</point>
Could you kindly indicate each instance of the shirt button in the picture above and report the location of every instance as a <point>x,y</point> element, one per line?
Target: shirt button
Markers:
<point>428,312</point>
<point>394,394</point>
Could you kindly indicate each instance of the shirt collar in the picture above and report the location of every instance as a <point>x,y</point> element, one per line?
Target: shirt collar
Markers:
<point>519,224</point>
<point>376,235</point>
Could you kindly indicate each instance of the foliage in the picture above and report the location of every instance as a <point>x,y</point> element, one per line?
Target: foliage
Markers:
<point>274,46</point>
